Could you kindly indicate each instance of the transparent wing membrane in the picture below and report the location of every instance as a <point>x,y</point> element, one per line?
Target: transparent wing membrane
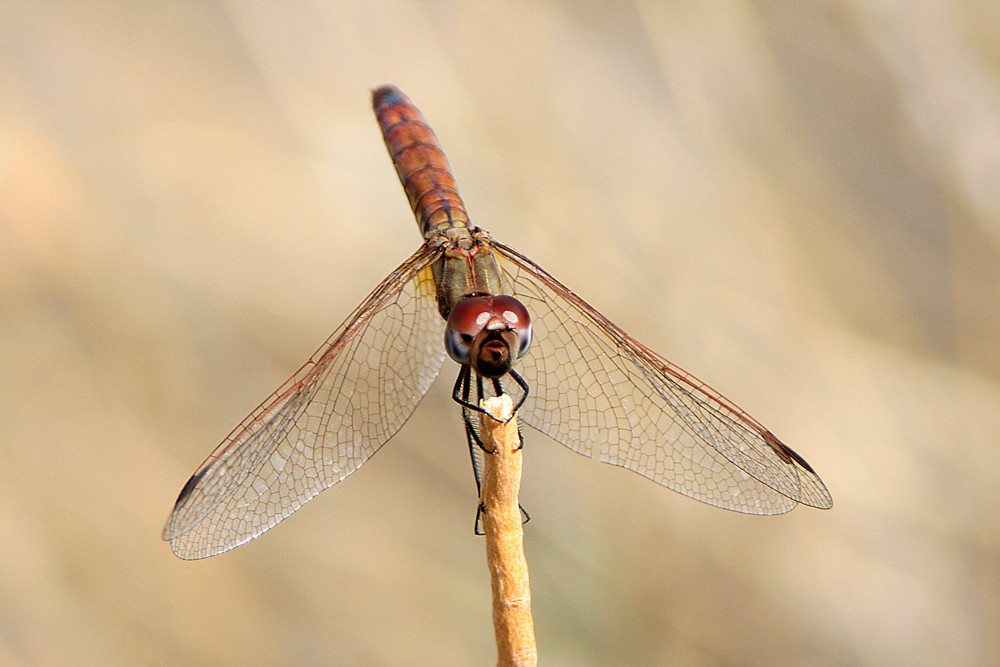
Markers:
<point>321,425</point>
<point>601,393</point>
<point>591,386</point>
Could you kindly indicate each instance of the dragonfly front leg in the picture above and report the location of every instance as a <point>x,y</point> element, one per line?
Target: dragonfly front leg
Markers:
<point>524,388</point>
<point>460,394</point>
<point>475,446</point>
<point>499,390</point>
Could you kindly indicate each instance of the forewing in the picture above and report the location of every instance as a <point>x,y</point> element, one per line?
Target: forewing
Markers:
<point>321,425</point>
<point>603,394</point>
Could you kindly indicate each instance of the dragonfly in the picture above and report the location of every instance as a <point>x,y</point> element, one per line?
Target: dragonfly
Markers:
<point>580,379</point>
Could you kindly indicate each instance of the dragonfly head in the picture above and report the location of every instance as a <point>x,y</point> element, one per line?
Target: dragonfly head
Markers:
<point>488,333</point>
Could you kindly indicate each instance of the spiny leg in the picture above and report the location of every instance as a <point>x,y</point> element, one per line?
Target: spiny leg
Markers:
<point>499,391</point>
<point>460,394</point>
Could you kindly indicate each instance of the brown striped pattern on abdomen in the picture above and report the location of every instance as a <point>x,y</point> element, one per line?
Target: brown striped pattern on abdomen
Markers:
<point>420,163</point>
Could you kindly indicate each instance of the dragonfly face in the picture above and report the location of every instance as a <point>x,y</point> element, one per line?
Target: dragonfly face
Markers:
<point>488,333</point>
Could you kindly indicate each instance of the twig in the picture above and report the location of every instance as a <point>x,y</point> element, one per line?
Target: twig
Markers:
<point>515,633</point>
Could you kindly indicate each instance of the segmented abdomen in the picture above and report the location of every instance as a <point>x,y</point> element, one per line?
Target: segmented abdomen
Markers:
<point>420,163</point>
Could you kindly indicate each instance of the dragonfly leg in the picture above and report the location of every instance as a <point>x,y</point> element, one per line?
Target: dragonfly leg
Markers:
<point>525,517</point>
<point>479,519</point>
<point>498,389</point>
<point>520,383</point>
<point>460,393</point>
<point>475,444</point>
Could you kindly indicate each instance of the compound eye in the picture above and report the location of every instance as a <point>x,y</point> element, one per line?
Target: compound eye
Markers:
<point>466,320</point>
<point>516,317</point>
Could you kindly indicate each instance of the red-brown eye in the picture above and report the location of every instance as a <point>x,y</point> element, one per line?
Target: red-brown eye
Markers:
<point>477,320</point>
<point>516,316</point>
<point>467,319</point>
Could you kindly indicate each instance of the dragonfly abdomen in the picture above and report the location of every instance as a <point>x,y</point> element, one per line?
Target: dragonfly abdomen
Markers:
<point>420,163</point>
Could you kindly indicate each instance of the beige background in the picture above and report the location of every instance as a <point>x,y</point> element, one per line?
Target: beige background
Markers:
<point>798,204</point>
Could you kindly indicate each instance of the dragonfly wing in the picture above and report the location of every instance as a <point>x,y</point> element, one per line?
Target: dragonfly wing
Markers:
<point>321,425</point>
<point>603,394</point>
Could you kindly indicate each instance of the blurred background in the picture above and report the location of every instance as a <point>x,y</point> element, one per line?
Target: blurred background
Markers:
<point>798,203</point>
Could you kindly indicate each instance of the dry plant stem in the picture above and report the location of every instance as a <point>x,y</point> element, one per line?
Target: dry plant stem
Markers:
<point>501,518</point>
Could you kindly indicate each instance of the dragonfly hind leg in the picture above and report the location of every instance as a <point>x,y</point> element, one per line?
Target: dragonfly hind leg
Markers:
<point>476,446</point>
<point>481,509</point>
<point>460,394</point>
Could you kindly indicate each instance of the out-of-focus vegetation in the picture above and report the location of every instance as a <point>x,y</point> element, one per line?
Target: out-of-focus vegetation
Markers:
<point>799,205</point>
